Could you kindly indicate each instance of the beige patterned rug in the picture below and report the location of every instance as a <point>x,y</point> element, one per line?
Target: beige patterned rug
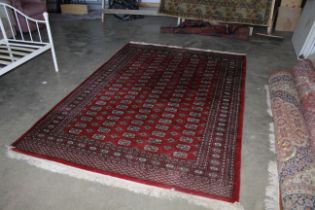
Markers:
<point>254,12</point>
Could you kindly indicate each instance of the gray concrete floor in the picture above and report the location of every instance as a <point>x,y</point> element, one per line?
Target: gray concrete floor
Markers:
<point>82,46</point>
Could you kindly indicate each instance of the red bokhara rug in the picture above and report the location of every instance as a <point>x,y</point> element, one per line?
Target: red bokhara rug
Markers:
<point>157,115</point>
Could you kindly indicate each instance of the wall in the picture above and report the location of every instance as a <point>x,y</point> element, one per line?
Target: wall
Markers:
<point>304,33</point>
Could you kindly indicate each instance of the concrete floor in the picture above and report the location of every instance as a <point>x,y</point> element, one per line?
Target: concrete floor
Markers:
<point>82,45</point>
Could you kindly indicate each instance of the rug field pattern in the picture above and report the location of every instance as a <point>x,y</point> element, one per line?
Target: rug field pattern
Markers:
<point>157,115</point>
<point>256,12</point>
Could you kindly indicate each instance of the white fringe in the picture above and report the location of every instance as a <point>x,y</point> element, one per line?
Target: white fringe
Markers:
<point>124,184</point>
<point>268,100</point>
<point>271,125</point>
<point>189,48</point>
<point>272,190</point>
<point>272,142</point>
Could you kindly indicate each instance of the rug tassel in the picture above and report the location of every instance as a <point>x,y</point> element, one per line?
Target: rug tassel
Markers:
<point>272,189</point>
<point>9,147</point>
<point>121,183</point>
<point>272,142</point>
<point>268,100</point>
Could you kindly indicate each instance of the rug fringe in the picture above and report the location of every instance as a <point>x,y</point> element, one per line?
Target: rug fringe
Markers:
<point>272,142</point>
<point>188,48</point>
<point>271,126</point>
<point>268,100</point>
<point>121,183</point>
<point>272,189</point>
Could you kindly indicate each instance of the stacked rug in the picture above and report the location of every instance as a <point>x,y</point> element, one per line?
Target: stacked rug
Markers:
<point>293,108</point>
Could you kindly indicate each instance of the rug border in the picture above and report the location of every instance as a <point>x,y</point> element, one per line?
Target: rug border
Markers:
<point>236,192</point>
<point>238,149</point>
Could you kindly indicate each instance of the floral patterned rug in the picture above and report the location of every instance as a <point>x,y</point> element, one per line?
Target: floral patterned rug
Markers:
<point>163,116</point>
<point>255,12</point>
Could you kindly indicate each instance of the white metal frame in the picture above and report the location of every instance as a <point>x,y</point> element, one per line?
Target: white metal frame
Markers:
<point>16,49</point>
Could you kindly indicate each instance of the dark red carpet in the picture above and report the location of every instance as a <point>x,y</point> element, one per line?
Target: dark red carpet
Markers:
<point>157,115</point>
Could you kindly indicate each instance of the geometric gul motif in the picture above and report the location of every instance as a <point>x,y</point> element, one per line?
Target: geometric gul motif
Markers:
<point>169,117</point>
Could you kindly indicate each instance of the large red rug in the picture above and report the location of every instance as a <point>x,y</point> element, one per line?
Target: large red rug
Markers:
<point>157,115</point>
